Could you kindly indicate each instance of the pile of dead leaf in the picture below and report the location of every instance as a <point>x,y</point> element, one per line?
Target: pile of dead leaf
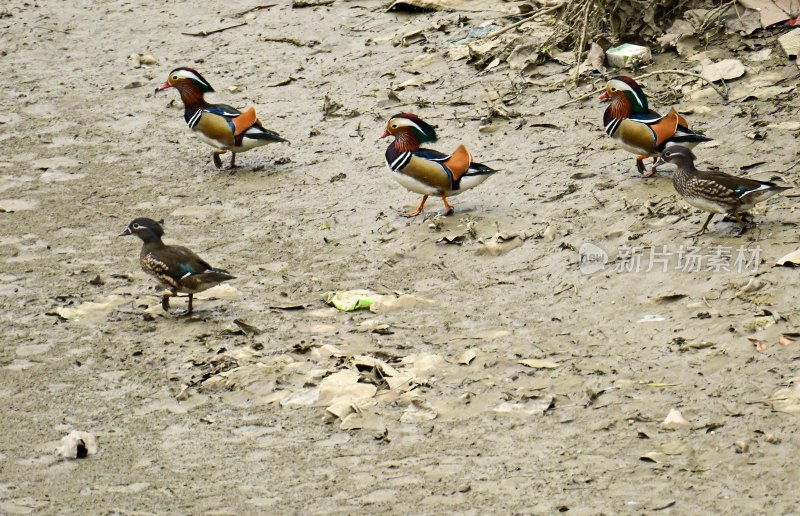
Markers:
<point>578,33</point>
<point>369,390</point>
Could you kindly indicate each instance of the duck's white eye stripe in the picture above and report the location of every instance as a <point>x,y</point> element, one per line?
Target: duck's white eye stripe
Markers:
<point>186,74</point>
<point>405,122</point>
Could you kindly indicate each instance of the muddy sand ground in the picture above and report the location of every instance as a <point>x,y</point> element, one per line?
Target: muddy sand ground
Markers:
<point>516,383</point>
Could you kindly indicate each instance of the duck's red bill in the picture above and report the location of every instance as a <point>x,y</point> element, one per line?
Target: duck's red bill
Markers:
<point>604,96</point>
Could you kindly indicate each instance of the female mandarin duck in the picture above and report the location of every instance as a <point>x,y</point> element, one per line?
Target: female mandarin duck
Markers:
<point>715,192</point>
<point>176,267</point>
<point>426,171</point>
<point>637,129</point>
<point>219,125</point>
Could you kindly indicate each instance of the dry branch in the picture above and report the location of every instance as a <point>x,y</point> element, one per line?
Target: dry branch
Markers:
<point>204,33</point>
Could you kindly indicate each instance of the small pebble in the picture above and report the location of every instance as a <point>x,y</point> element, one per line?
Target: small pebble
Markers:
<point>741,446</point>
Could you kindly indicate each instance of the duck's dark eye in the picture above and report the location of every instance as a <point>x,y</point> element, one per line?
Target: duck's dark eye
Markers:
<point>136,226</point>
<point>613,89</point>
<point>394,126</point>
<point>174,77</point>
<point>667,154</point>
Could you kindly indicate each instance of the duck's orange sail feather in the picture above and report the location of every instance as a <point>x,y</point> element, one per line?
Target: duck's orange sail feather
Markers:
<point>459,162</point>
<point>244,121</point>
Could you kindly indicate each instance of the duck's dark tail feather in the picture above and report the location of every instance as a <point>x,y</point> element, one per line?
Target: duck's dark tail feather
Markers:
<point>479,169</point>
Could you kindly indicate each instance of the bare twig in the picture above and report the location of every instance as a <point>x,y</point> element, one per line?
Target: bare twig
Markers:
<point>582,42</point>
<point>310,3</point>
<point>540,12</point>
<point>291,41</point>
<point>582,97</point>
<point>722,94</point>
<point>571,287</point>
<point>204,33</point>
<point>790,167</point>
<point>256,8</point>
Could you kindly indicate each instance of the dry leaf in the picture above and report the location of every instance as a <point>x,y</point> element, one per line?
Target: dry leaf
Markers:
<point>414,82</point>
<point>668,298</point>
<point>787,399</point>
<point>340,410</point>
<point>786,340</point>
<point>726,69</point>
<point>457,52</point>
<point>500,243</point>
<point>466,357</point>
<point>538,363</point>
<point>343,386</point>
<point>673,448</point>
<point>364,420</point>
<point>656,457</point>
<point>423,365</point>
<point>418,411</point>
<point>594,60</point>
<point>425,63</point>
<point>753,285</point>
<point>790,260</point>
<point>416,36</point>
<point>386,304</point>
<point>760,344</point>
<point>91,312</point>
<point>530,408</point>
<point>303,398</point>
<point>678,30</point>
<point>282,82</point>
<point>745,22</point>
<point>790,43</point>
<point>773,11</point>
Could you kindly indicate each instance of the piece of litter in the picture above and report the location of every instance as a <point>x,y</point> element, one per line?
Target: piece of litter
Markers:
<point>77,445</point>
<point>628,55</point>
<point>349,300</point>
<point>675,420</point>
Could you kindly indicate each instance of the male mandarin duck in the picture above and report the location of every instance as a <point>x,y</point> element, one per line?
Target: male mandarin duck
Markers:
<point>715,192</point>
<point>638,129</point>
<point>177,268</point>
<point>426,171</point>
<point>219,125</point>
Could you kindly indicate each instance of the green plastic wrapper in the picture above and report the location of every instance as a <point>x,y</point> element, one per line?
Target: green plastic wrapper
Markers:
<point>349,300</point>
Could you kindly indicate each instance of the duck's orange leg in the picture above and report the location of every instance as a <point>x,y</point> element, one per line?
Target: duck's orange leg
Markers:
<point>640,165</point>
<point>448,210</point>
<point>419,208</point>
<point>652,170</point>
<point>233,160</point>
<point>216,154</point>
